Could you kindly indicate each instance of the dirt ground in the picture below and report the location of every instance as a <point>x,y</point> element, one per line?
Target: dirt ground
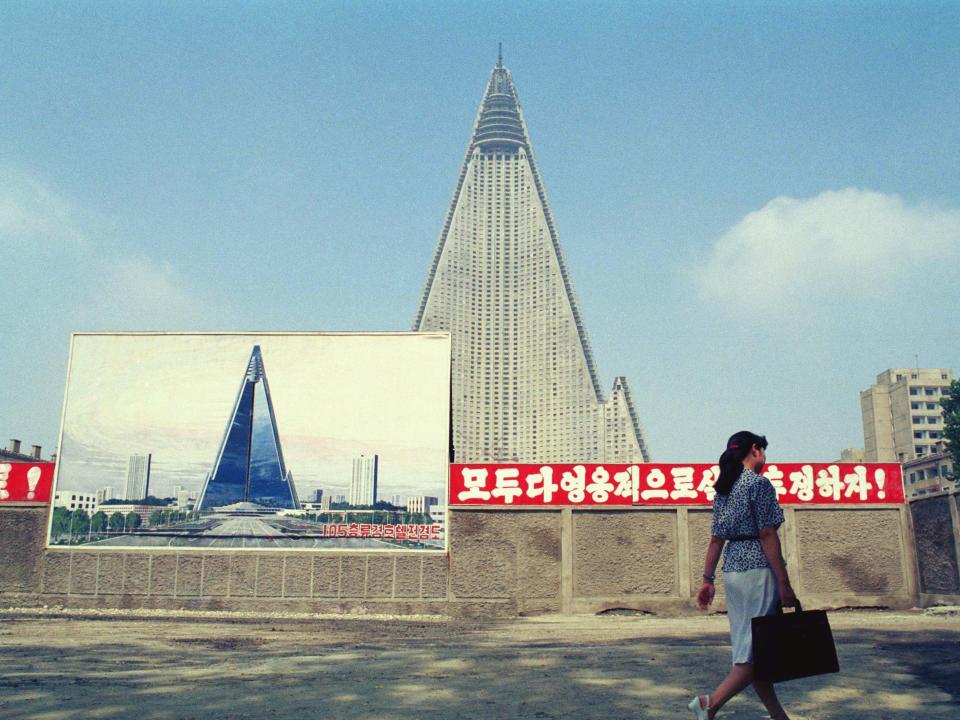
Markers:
<point>54,666</point>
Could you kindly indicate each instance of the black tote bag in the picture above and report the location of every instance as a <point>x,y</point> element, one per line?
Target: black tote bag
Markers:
<point>793,645</point>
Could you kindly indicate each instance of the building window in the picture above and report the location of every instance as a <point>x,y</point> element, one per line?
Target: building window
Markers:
<point>931,391</point>
<point>914,391</point>
<point>917,419</point>
<point>918,435</point>
<point>931,406</point>
<point>919,449</point>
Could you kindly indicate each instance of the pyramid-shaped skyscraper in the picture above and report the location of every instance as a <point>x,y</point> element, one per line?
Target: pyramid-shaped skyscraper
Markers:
<point>525,386</point>
<point>249,466</point>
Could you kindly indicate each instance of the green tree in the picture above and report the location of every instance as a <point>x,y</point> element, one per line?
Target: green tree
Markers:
<point>116,521</point>
<point>951,424</point>
<point>79,522</point>
<point>133,521</point>
<point>156,517</point>
<point>61,521</point>
<point>98,523</point>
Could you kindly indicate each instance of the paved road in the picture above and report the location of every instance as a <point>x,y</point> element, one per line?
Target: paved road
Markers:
<point>895,666</point>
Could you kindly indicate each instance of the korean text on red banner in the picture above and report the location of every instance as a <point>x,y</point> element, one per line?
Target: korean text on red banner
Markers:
<point>667,484</point>
<point>26,482</point>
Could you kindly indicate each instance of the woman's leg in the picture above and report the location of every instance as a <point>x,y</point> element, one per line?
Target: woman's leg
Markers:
<point>740,677</point>
<point>768,696</point>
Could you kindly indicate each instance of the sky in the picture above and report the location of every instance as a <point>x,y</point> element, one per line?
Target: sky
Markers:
<point>758,202</point>
<point>335,397</point>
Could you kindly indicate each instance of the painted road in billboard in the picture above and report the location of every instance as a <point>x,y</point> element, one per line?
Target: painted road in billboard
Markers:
<point>227,543</point>
<point>271,531</point>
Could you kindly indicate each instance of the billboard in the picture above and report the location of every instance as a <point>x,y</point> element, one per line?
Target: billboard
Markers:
<point>312,441</point>
<point>667,484</point>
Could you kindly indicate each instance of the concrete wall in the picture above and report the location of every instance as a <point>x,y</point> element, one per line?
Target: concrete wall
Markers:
<point>501,562</point>
<point>936,520</point>
<point>285,581</point>
<point>653,560</point>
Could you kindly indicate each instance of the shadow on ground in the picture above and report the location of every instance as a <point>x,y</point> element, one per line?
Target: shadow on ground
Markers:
<point>64,669</point>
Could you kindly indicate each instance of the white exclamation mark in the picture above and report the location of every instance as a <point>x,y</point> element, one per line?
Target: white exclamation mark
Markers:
<point>880,477</point>
<point>33,477</point>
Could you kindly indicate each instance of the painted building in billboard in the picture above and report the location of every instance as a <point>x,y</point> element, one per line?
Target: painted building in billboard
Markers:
<point>249,466</point>
<point>420,503</point>
<point>363,480</point>
<point>525,385</point>
<point>137,485</point>
<point>75,500</point>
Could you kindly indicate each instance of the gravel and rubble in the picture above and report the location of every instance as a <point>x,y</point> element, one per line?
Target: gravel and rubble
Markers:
<point>60,664</point>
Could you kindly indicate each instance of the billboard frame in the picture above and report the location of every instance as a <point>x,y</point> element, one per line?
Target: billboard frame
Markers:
<point>182,550</point>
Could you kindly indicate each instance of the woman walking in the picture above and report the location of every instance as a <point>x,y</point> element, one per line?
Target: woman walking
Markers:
<point>746,516</point>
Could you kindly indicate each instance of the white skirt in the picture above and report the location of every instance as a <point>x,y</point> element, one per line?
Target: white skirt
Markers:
<point>750,594</point>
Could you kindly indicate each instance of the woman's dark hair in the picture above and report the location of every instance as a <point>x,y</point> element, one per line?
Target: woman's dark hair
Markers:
<point>731,462</point>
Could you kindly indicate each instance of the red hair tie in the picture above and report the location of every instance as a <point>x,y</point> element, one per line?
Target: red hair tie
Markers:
<point>731,447</point>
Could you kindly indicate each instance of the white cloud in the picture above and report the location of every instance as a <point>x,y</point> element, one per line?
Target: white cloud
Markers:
<point>84,274</point>
<point>31,213</point>
<point>842,245</point>
<point>135,292</point>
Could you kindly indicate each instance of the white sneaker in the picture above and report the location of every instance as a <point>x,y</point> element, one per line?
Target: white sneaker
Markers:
<point>699,711</point>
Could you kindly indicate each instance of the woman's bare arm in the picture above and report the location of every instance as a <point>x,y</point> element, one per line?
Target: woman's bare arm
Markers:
<point>713,556</point>
<point>708,589</point>
<point>770,542</point>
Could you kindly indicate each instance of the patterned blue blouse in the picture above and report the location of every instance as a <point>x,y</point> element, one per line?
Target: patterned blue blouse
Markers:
<point>751,505</point>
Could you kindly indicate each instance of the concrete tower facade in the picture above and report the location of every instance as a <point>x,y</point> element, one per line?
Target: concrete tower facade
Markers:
<point>902,415</point>
<point>525,386</point>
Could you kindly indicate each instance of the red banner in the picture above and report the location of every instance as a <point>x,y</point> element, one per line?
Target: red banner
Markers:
<point>667,484</point>
<point>26,482</point>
